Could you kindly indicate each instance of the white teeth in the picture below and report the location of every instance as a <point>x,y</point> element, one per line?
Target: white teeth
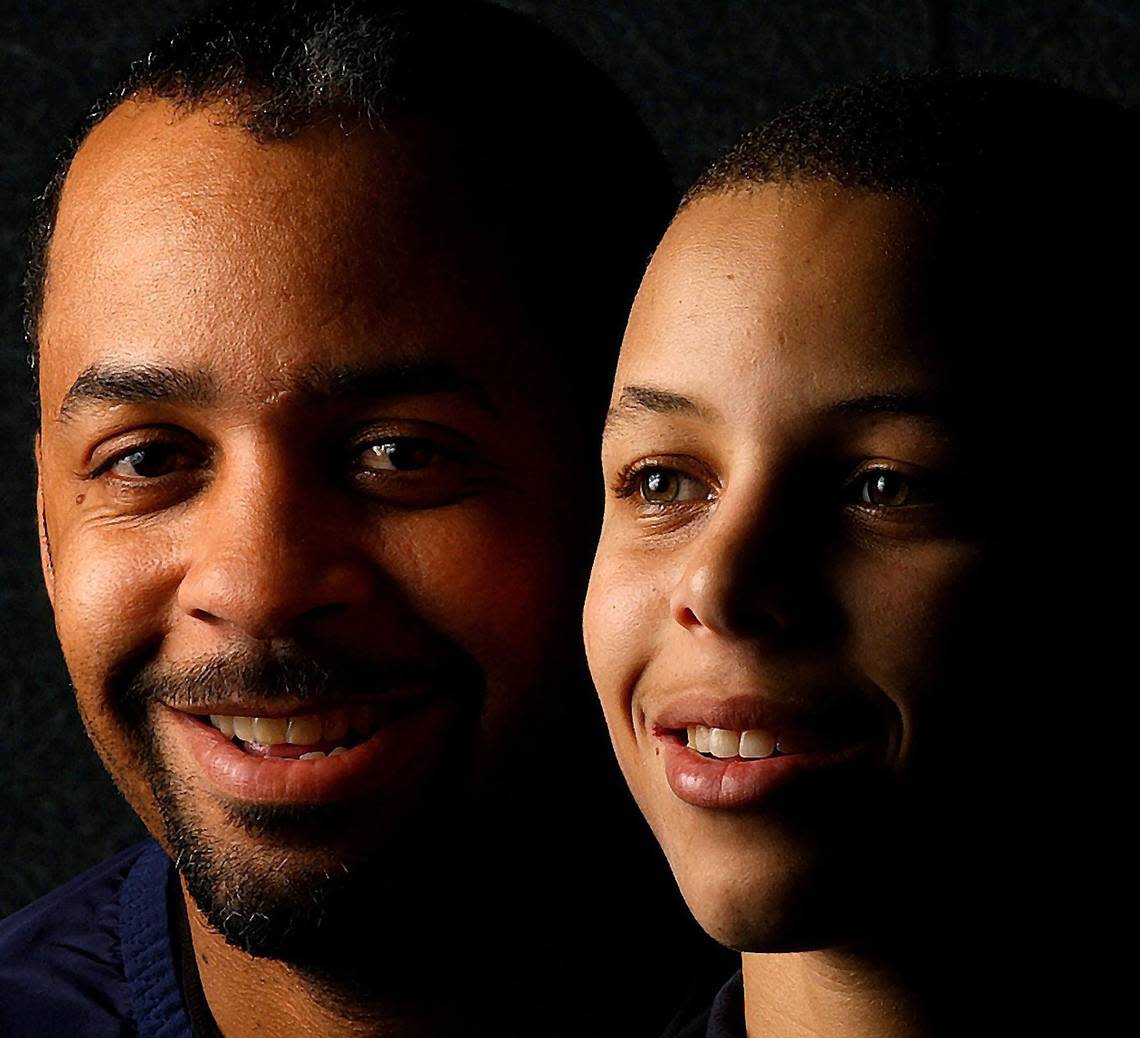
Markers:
<point>724,743</point>
<point>756,743</point>
<point>304,730</point>
<point>270,731</point>
<point>313,755</point>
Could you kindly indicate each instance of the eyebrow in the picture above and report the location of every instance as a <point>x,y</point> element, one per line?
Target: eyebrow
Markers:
<point>397,378</point>
<point>317,383</point>
<point>922,406</point>
<point>136,384</point>
<point>635,400</point>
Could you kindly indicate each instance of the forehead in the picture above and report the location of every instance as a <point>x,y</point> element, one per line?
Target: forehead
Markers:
<point>183,240</point>
<point>809,285</point>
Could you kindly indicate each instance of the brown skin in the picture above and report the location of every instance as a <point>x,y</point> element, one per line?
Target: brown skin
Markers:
<point>182,243</point>
<point>762,567</point>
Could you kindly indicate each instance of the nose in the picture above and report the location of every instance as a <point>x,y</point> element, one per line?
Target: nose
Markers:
<point>266,557</point>
<point>734,580</point>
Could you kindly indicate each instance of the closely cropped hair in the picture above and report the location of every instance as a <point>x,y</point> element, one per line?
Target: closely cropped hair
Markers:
<point>544,146</point>
<point>933,137</point>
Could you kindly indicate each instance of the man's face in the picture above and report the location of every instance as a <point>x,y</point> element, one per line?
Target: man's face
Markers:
<point>294,479</point>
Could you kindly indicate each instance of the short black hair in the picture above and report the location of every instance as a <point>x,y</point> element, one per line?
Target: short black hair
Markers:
<point>578,189</point>
<point>935,137</point>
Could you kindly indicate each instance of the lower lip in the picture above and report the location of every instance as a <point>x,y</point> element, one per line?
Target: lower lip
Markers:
<point>736,784</point>
<point>393,756</point>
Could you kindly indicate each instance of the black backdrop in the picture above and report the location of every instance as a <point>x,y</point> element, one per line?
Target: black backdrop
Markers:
<point>698,70</point>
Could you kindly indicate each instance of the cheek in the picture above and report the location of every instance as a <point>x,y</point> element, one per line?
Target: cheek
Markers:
<point>910,621</point>
<point>494,580</point>
<point>111,599</point>
<point>112,596</point>
<point>623,622</point>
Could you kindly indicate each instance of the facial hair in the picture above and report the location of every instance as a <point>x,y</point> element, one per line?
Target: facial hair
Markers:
<point>284,894</point>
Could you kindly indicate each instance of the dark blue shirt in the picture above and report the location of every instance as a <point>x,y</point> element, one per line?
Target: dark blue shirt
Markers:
<point>101,956</point>
<point>725,1019</point>
<point>108,955</point>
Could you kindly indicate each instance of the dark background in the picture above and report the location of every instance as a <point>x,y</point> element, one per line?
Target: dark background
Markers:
<point>699,71</point>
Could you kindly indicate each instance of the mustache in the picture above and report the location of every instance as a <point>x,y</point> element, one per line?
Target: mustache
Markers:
<point>291,674</point>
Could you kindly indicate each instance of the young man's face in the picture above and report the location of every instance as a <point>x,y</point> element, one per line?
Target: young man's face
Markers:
<point>293,468</point>
<point>778,618</point>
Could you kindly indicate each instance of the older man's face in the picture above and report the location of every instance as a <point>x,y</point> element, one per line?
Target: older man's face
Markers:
<point>309,532</point>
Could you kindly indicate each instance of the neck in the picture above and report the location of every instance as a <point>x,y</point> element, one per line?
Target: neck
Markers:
<point>251,996</point>
<point>831,993</point>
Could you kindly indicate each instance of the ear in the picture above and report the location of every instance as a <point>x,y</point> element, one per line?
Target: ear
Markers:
<point>45,545</point>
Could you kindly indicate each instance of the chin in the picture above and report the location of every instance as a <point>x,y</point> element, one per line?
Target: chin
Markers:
<point>741,897</point>
<point>760,886</point>
<point>298,882</point>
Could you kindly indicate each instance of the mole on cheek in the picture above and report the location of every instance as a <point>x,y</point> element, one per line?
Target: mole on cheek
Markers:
<point>79,498</point>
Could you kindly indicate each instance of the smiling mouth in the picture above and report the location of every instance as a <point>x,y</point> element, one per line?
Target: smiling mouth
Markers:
<point>308,736</point>
<point>749,744</point>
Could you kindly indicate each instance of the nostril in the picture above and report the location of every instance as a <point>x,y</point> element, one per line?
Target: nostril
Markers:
<point>687,618</point>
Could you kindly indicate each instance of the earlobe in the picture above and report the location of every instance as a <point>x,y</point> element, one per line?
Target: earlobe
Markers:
<point>41,521</point>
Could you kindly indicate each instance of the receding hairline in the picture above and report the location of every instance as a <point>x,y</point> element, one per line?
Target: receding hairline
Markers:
<point>120,138</point>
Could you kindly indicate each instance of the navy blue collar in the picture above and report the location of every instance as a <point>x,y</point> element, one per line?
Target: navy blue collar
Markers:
<point>726,1019</point>
<point>148,948</point>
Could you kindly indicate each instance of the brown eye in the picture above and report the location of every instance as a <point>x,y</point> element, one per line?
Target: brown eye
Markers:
<point>402,455</point>
<point>883,488</point>
<point>149,462</point>
<point>660,486</point>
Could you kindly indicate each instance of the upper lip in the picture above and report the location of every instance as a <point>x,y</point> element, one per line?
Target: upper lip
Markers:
<point>737,713</point>
<point>850,714</point>
<point>253,708</point>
